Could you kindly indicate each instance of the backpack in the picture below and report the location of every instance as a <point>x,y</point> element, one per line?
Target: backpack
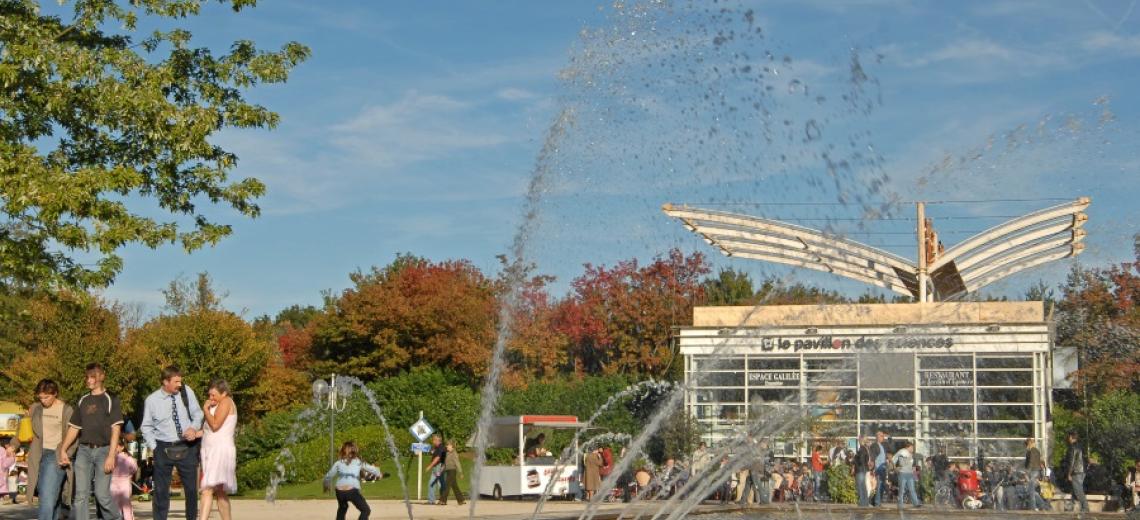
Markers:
<point>1046,490</point>
<point>607,462</point>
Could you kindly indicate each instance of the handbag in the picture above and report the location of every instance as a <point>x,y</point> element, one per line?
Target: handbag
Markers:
<point>24,432</point>
<point>1046,490</point>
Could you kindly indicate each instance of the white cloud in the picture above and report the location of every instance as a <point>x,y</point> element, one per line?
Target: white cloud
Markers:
<point>516,94</point>
<point>982,60</point>
<point>1105,41</point>
<point>415,128</point>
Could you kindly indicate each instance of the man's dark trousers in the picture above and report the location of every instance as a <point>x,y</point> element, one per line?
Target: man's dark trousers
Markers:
<point>187,471</point>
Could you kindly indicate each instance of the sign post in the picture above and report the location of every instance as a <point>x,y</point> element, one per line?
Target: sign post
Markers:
<point>420,430</point>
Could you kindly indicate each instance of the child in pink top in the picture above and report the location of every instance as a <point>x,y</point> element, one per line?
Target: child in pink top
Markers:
<point>7,460</point>
<point>121,478</point>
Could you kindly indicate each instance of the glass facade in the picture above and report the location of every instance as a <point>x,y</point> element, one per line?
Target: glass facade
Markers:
<point>980,392</point>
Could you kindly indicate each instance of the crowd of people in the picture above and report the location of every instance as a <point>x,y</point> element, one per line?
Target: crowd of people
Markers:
<point>88,450</point>
<point>884,471</point>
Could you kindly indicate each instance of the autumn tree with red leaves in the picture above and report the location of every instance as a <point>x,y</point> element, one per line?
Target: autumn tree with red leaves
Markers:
<point>621,319</point>
<point>1099,313</point>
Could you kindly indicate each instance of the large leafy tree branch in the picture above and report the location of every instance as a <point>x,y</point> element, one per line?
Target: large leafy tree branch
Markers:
<point>97,126</point>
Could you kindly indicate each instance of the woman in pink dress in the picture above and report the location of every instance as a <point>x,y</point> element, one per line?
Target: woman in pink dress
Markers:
<point>219,458</point>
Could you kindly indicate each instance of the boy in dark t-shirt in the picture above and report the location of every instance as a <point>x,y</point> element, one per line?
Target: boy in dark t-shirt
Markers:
<point>95,426</point>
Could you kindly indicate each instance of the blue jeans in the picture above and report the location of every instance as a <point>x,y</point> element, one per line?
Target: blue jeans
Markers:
<point>817,479</point>
<point>435,483</point>
<point>861,486</point>
<point>906,484</point>
<point>49,484</point>
<point>89,471</point>
<point>1079,491</point>
<point>881,474</point>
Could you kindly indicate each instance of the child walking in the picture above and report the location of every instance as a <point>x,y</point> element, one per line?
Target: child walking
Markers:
<point>7,460</point>
<point>347,472</point>
<point>121,477</point>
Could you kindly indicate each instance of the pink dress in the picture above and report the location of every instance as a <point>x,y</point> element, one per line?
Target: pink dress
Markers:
<point>219,457</point>
<point>125,467</point>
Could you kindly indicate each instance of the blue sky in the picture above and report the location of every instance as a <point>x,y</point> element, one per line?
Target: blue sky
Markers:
<point>415,127</point>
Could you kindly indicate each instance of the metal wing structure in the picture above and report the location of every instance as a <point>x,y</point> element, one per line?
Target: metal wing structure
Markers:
<point>1014,246</point>
<point>775,241</point>
<point>1019,244</point>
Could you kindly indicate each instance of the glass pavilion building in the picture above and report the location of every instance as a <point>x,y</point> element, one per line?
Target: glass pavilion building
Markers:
<point>967,377</point>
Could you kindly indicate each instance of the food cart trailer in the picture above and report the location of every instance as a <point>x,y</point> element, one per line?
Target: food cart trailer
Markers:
<point>529,477</point>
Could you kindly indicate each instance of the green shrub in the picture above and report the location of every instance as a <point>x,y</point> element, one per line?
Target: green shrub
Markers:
<point>448,404</point>
<point>841,484</point>
<point>311,458</point>
<point>926,487</point>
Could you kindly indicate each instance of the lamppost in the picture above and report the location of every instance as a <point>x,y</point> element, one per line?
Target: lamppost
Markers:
<point>332,395</point>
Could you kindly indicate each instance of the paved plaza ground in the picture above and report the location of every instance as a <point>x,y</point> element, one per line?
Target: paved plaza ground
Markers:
<point>513,510</point>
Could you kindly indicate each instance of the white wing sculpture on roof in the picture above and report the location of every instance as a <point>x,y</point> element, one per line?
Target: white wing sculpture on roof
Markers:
<point>1016,245</point>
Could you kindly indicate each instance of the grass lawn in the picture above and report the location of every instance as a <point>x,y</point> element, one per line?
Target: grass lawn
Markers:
<point>383,489</point>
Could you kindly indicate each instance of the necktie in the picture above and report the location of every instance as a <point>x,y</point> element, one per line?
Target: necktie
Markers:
<point>174,414</point>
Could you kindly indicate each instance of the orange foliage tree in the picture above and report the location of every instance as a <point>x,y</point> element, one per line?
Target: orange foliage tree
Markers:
<point>412,312</point>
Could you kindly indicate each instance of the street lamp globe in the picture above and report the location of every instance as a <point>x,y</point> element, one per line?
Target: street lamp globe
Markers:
<point>320,390</point>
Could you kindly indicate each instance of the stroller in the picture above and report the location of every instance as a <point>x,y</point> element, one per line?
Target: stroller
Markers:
<point>969,489</point>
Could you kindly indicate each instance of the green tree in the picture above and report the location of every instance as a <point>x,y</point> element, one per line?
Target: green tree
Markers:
<point>729,287</point>
<point>56,336</point>
<point>102,122</point>
<point>205,341</point>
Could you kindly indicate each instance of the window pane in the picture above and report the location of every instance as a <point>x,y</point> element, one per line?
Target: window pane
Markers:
<point>1017,430</point>
<point>950,429</point>
<point>1005,362</point>
<point>887,412</point>
<point>1004,448</point>
<point>949,412</point>
<point>895,429</point>
<point>954,447</point>
<point>945,362</point>
<point>774,364</point>
<point>718,378</point>
<point>831,396</point>
<point>947,395</point>
<point>880,396</point>
<point>834,412</point>
<point>712,396</point>
<point>704,364</point>
<point>774,395</point>
<point>835,430</point>
<point>1005,395</point>
<point>1006,413</point>
<point>829,363</point>
<point>1005,378</point>
<point>831,378</point>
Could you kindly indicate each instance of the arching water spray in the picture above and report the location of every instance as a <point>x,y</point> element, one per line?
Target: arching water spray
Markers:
<point>516,272</point>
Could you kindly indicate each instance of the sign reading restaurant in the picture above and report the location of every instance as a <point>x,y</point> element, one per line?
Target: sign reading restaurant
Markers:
<point>850,344</point>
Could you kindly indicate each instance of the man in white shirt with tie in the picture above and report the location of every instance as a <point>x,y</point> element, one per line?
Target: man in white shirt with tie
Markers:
<point>171,426</point>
